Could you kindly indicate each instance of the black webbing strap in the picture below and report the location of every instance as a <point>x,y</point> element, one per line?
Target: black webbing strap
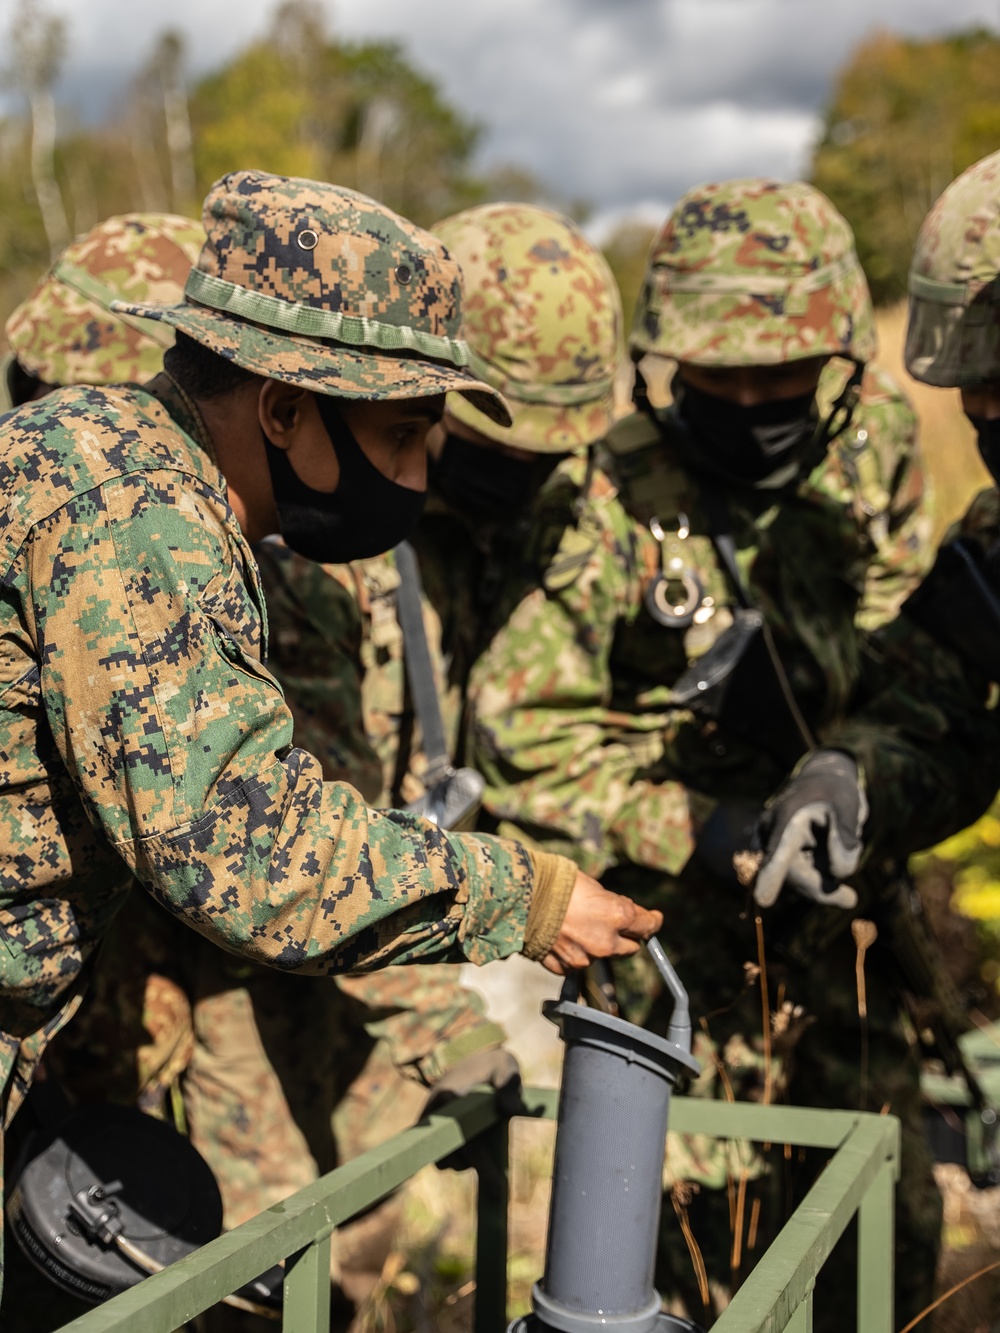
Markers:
<point>717,512</point>
<point>419,672</point>
<point>720,532</point>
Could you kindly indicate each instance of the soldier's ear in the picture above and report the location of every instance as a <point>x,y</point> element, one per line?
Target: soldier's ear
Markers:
<point>282,409</point>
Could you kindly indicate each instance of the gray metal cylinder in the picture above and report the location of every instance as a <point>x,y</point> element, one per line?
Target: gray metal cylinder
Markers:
<point>665,1323</point>
<point>607,1177</point>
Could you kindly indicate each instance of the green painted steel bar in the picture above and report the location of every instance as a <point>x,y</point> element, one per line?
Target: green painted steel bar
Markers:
<point>775,1296</point>
<point>802,1320</point>
<point>490,1313</point>
<point>876,1228</point>
<point>803,1126</point>
<point>167,1300</point>
<point>306,1306</point>
<point>777,1286</point>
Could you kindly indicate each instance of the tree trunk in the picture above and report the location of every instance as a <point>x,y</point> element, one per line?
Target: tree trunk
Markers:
<point>43,148</point>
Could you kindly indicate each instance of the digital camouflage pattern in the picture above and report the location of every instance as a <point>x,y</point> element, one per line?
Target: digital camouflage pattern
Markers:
<point>133,661</point>
<point>145,1032</point>
<point>753,272</point>
<point>953,332</point>
<point>323,287</point>
<point>64,332</point>
<point>543,320</point>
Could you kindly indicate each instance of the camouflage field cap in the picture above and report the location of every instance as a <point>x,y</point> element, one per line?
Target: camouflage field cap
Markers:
<point>64,334</point>
<point>753,273</point>
<point>323,287</point>
<point>543,319</point>
<point>953,332</point>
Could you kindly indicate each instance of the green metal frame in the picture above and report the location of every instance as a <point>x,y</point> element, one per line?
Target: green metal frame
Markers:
<point>859,1179</point>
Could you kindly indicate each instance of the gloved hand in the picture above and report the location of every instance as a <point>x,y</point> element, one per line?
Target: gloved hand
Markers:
<point>811,833</point>
<point>496,1067</point>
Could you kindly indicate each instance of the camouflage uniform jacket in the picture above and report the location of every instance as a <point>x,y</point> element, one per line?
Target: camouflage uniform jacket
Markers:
<point>320,630</point>
<point>570,703</point>
<point>927,729</point>
<point>141,734</point>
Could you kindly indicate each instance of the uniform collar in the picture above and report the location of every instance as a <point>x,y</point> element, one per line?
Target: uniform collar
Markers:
<point>183,409</point>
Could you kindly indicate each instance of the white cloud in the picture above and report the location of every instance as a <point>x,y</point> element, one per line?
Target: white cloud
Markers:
<point>614,101</point>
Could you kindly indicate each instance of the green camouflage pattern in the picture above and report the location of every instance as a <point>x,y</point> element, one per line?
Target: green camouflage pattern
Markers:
<point>753,272</point>
<point>322,287</point>
<point>132,663</point>
<point>571,721</point>
<point>543,319</point>
<point>953,331</point>
<point>574,728</point>
<point>64,332</point>
<point>561,751</point>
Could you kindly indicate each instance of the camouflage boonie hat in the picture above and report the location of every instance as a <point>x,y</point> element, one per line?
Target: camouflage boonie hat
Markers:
<point>64,332</point>
<point>322,287</point>
<point>953,331</point>
<point>543,320</point>
<point>753,273</point>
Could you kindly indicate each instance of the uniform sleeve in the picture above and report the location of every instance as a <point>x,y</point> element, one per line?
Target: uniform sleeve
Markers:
<point>893,492</point>
<point>928,742</point>
<point>560,762</point>
<point>428,1019</point>
<point>148,624</point>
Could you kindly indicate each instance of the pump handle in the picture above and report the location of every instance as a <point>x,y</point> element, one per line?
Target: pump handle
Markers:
<point>679,1031</point>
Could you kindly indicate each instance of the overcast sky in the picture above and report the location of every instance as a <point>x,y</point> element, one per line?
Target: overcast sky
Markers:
<point>624,103</point>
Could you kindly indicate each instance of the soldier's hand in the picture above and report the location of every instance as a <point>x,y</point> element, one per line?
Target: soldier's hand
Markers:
<point>811,833</point>
<point>598,924</point>
<point>495,1067</point>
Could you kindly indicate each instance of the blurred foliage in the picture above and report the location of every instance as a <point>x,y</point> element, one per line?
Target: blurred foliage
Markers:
<point>625,250</point>
<point>904,119</point>
<point>970,864</point>
<point>298,101</point>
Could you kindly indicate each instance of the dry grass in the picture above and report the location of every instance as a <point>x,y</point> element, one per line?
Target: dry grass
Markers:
<point>953,465</point>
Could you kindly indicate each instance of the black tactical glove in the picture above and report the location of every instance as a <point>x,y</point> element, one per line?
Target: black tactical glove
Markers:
<point>495,1067</point>
<point>811,833</point>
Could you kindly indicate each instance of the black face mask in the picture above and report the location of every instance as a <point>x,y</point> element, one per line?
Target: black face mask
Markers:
<point>749,446</point>
<point>486,482</point>
<point>367,513</point>
<point>988,438</point>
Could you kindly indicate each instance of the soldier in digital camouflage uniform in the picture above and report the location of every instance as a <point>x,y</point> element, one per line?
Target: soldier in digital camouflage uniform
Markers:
<point>755,289</point>
<point>160,1021</point>
<point>143,736</point>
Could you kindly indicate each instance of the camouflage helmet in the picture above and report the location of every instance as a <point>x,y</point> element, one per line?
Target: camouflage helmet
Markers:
<point>753,273</point>
<point>953,332</point>
<point>322,287</point>
<point>64,334</point>
<point>543,320</point>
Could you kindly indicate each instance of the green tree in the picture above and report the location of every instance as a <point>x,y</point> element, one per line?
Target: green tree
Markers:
<point>299,102</point>
<point>904,119</point>
<point>626,250</point>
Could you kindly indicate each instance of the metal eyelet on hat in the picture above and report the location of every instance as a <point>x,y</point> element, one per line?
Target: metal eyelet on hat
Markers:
<point>403,274</point>
<point>308,239</point>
